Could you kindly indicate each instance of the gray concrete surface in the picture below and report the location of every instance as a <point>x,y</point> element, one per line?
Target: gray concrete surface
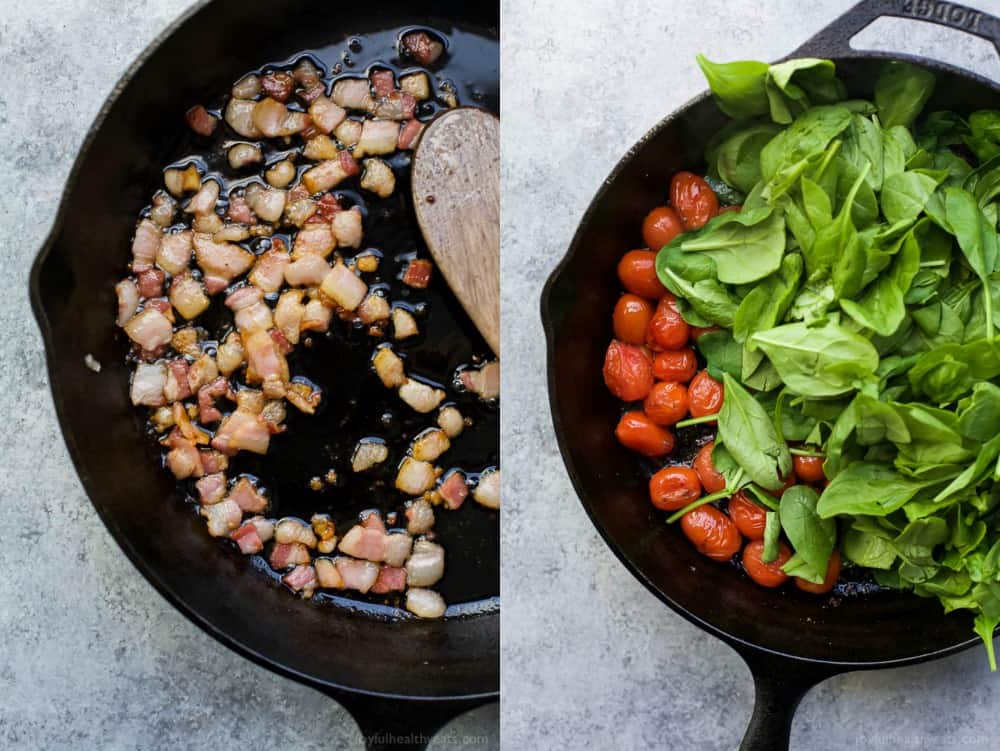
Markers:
<point>591,659</point>
<point>92,657</point>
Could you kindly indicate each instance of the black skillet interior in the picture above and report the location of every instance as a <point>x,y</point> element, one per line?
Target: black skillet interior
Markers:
<point>72,291</point>
<point>845,632</point>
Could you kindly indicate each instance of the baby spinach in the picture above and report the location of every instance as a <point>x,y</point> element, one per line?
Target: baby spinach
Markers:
<point>977,239</point>
<point>749,436</point>
<point>812,536</point>
<point>870,489</point>
<point>901,91</point>
<point>737,159</point>
<point>745,246</point>
<point>738,87</point>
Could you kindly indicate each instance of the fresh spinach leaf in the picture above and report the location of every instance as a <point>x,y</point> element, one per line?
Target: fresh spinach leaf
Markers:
<point>738,87</point>
<point>749,436</point>
<point>746,246</point>
<point>901,91</point>
<point>870,489</point>
<point>812,536</point>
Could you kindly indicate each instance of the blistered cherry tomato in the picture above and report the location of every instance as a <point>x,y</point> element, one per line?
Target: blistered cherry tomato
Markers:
<point>698,331</point>
<point>628,371</point>
<point>637,273</point>
<point>660,226</point>
<point>673,488</point>
<point>693,199</point>
<point>667,329</point>
<point>677,365</point>
<point>832,573</point>
<point>711,532</point>
<point>807,468</point>
<point>765,574</point>
<point>710,478</point>
<point>631,318</point>
<point>637,432</point>
<point>666,403</point>
<point>749,518</point>
<point>705,395</point>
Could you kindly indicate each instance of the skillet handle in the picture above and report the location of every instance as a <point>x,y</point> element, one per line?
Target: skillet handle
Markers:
<point>835,39</point>
<point>401,724</point>
<point>779,685</point>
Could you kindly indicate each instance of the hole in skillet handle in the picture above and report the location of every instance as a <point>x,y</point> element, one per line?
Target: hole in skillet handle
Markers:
<point>834,41</point>
<point>401,724</point>
<point>780,683</point>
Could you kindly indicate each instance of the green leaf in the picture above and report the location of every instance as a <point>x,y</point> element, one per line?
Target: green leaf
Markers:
<point>812,536</point>
<point>870,489</point>
<point>737,159</point>
<point>985,626</point>
<point>722,354</point>
<point>979,415</point>
<point>746,246</point>
<point>772,536</point>
<point>738,87</point>
<point>749,436</point>
<point>905,194</point>
<point>901,91</point>
<point>865,547</point>
<point>692,278</point>
<point>767,303</point>
<point>976,237</point>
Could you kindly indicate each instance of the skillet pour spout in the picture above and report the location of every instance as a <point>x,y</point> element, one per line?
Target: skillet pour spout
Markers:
<point>791,641</point>
<point>394,675</point>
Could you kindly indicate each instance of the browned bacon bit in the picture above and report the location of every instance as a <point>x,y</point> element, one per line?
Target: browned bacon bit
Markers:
<point>247,497</point>
<point>422,47</point>
<point>242,431</point>
<point>176,386</point>
<point>410,134</point>
<point>248,538</point>
<point>211,488</point>
<point>354,574</point>
<point>303,397</point>
<point>207,412</point>
<point>289,554</point>
<point>390,579</point>
<point>183,459</point>
<point>128,300</point>
<point>484,381</point>
<point>151,283</point>
<point>200,121</point>
<point>327,207</point>
<point>301,579</point>
<point>145,245</point>
<point>383,82</point>
<point>418,273</point>
<point>283,345</point>
<point>453,490</point>
<point>278,85</point>
<point>222,518</point>
<point>239,211</point>
<point>269,272</point>
<point>212,461</point>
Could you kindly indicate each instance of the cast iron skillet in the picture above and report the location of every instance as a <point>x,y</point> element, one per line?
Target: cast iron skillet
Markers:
<point>398,678</point>
<point>790,640</point>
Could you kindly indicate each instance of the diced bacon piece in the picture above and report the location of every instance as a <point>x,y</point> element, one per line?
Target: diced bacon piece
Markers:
<point>278,85</point>
<point>247,497</point>
<point>308,271</point>
<point>223,261</point>
<point>239,116</point>
<point>151,282</point>
<point>150,329</point>
<point>174,253</point>
<point>430,444</point>
<point>242,431</point>
<point>288,554</point>
<point>183,459</point>
<point>397,105</point>
<point>383,81</point>
<point>410,134</point>
<point>163,211</point>
<point>487,492</point>
<point>348,228</point>
<point>265,364</point>
<point>319,147</point>
<point>176,386</point>
<point>397,548</point>
<point>326,533</point>
<point>390,579</point>
<point>297,193</point>
<point>202,371</point>
<point>330,173</point>
<point>484,381</point>
<point>361,542</point>
<point>404,325</point>
<point>327,207</point>
<point>316,239</point>
<point>327,574</point>
<point>378,178</point>
<point>348,132</point>
<point>207,394</point>
<point>352,93</point>
<point>273,119</point>
<point>419,517</point>
<point>373,309</point>
<point>453,490</point>
<point>273,415</point>
<point>418,273</point>
<point>211,488</point>
<point>389,367</point>
<point>377,137</point>
<point>316,316</point>
<point>188,296</point>
<point>128,300</point>
<point>359,575</point>
<point>230,354</point>
<point>415,477</point>
<point>239,211</point>
<point>266,202</point>
<point>284,346</point>
<point>145,245</point>
<point>251,312</point>
<point>186,341</point>
<point>222,518</point>
<point>425,565</point>
<point>212,461</point>
<point>200,121</point>
<point>344,287</point>
<point>187,428</point>
<point>422,47</point>
<point>290,529</point>
<point>425,603</point>
<point>420,396</point>
<point>301,579</point>
<point>269,270</point>
<point>450,420</point>
<point>288,314</point>
<point>148,382</point>
<point>248,538</point>
<point>416,85</point>
<point>326,115</point>
<point>373,520</point>
<point>161,305</point>
<point>203,202</point>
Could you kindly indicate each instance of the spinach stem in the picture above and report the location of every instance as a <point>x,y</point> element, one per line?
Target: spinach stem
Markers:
<point>765,499</point>
<point>932,264</point>
<point>697,420</point>
<point>807,452</point>
<point>988,294</point>
<point>724,493</point>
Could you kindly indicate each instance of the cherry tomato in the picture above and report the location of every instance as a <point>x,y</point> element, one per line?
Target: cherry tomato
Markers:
<point>637,273</point>
<point>832,572</point>
<point>711,532</point>
<point>705,395</point>
<point>737,208</point>
<point>660,226</point>
<point>808,468</point>
<point>628,371</point>
<point>711,480</point>
<point>765,574</point>
<point>698,331</point>
<point>667,329</point>
<point>749,518</point>
<point>677,365</point>
<point>673,488</point>
<point>693,199</point>
<point>631,318</point>
<point>667,403</point>
<point>637,432</point>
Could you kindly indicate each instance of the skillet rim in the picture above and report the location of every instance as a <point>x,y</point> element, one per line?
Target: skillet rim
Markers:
<point>122,541</point>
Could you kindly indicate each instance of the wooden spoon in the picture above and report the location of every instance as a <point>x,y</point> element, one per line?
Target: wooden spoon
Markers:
<point>456,195</point>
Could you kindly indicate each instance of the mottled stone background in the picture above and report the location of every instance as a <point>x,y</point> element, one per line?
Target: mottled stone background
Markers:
<point>591,659</point>
<point>92,657</point>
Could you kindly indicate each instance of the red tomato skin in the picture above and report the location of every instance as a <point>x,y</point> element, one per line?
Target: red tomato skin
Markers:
<point>749,518</point>
<point>712,533</point>
<point>673,488</point>
<point>765,574</point>
<point>660,226</point>
<point>705,395</point>
<point>628,371</point>
<point>667,328</point>
<point>832,574</point>
<point>711,479</point>
<point>679,365</point>
<point>637,273</point>
<point>631,318</point>
<point>809,469</point>
<point>666,403</point>
<point>637,432</point>
<point>693,199</point>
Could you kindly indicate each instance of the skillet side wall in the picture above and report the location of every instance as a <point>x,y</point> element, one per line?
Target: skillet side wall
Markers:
<point>73,293</point>
<point>576,308</point>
